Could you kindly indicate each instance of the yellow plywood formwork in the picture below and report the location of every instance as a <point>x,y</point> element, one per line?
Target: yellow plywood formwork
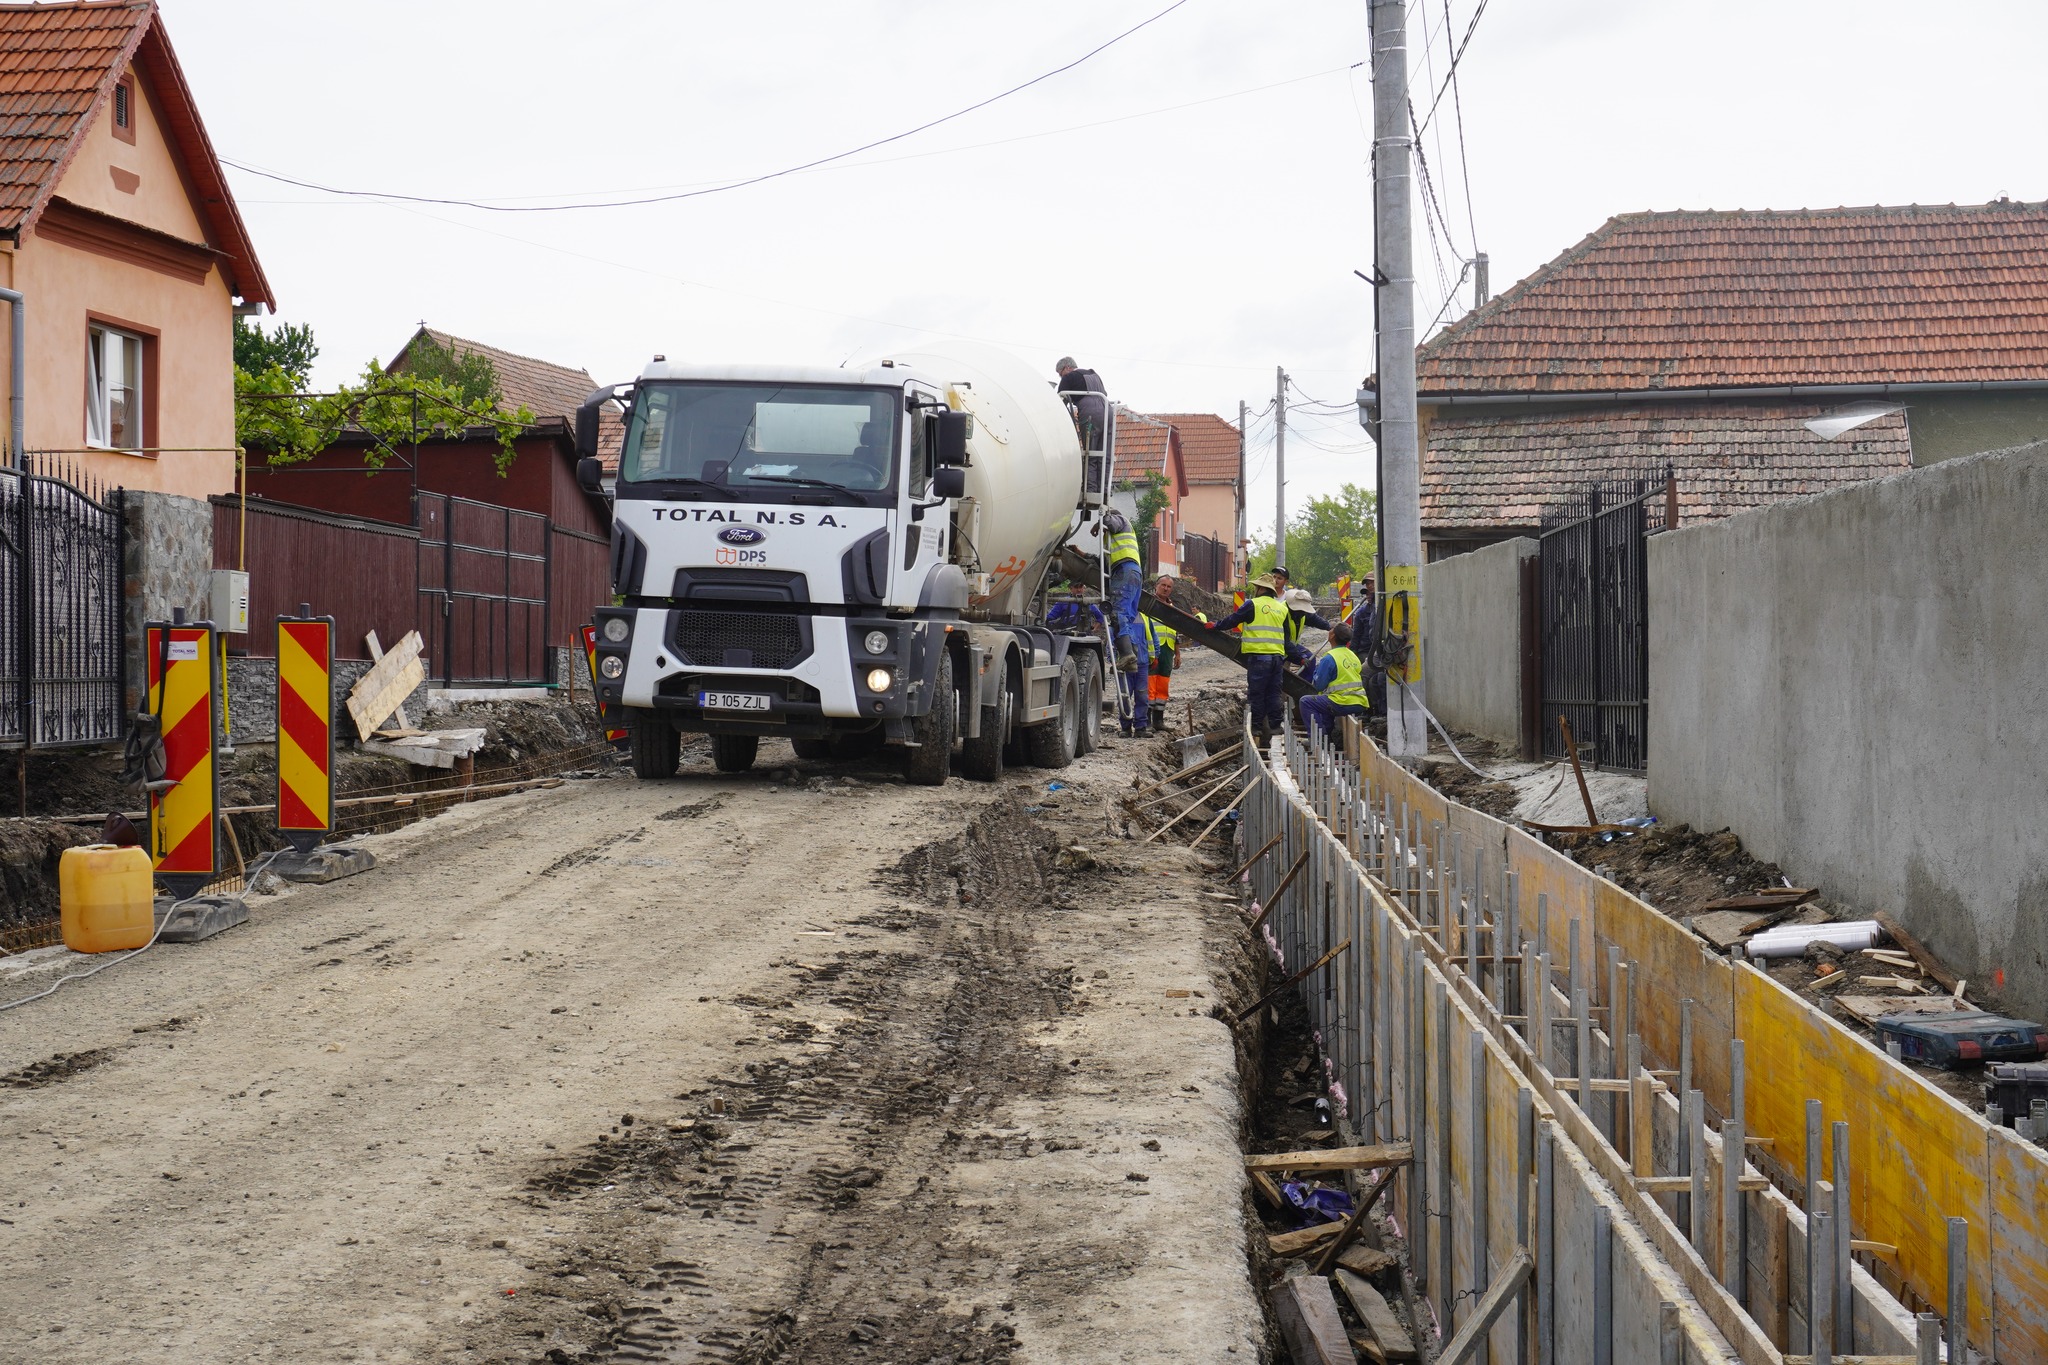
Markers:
<point>1916,1156</point>
<point>1674,966</point>
<point>2019,1265</point>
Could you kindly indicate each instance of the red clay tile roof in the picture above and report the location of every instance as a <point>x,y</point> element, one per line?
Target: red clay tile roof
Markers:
<point>58,66</point>
<point>1806,296</point>
<point>1208,445</point>
<point>544,388</point>
<point>1489,472</point>
<point>1141,449</point>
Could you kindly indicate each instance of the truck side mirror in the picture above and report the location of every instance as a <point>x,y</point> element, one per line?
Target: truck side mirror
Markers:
<point>590,475</point>
<point>587,419</point>
<point>949,440</point>
<point>949,482</point>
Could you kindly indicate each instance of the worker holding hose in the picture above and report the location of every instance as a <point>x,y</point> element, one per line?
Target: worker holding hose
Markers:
<point>1262,645</point>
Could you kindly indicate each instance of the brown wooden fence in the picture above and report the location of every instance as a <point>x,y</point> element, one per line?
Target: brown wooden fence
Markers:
<point>489,588</point>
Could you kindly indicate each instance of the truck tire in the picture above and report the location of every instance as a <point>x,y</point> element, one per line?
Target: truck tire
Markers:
<point>981,757</point>
<point>734,753</point>
<point>1088,733</point>
<point>657,748</point>
<point>929,764</point>
<point>813,748</point>
<point>1051,744</point>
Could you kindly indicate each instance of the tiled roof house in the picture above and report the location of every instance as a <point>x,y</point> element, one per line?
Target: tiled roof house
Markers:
<point>1709,340</point>
<point>541,386</point>
<point>118,229</point>
<point>1146,446</point>
<point>1210,457</point>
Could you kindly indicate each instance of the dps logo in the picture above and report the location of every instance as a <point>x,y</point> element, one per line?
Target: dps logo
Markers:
<point>737,546</point>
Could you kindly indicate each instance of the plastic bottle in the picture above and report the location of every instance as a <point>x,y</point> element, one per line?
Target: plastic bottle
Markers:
<point>105,898</point>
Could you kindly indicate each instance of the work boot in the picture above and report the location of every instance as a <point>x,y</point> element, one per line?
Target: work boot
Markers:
<point>1126,661</point>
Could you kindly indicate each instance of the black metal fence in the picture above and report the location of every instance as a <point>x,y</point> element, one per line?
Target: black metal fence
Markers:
<point>62,551</point>
<point>1595,606</point>
<point>1206,561</point>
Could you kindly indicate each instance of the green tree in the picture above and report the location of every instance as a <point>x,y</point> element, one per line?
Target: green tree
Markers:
<point>1151,501</point>
<point>1326,539</point>
<point>472,375</point>
<point>273,415</point>
<point>287,347</point>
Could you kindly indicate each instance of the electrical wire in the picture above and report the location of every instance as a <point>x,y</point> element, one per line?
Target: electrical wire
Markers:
<point>1456,57</point>
<point>1464,161</point>
<point>731,185</point>
<point>251,876</point>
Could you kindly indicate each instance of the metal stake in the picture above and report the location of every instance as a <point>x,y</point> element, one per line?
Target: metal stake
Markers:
<point>1696,1143</point>
<point>1582,1011</point>
<point>1845,1304</point>
<point>1816,1155</point>
<point>1734,1152</point>
<point>1820,1298</point>
<point>1958,1289</point>
<point>1525,1169</point>
<point>1546,1244</point>
<point>1603,1285</point>
<point>1478,1195</point>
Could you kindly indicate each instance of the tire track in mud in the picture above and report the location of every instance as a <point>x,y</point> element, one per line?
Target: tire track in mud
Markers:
<point>828,1167</point>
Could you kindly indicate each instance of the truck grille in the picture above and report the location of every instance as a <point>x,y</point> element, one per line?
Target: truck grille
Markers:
<point>737,639</point>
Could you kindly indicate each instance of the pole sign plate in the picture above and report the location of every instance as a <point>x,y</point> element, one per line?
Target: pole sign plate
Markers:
<point>183,819</point>
<point>305,730</point>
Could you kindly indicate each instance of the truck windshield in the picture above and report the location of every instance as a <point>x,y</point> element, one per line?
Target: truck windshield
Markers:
<point>787,438</point>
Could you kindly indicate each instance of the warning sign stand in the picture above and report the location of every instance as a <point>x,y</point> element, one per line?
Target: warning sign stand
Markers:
<point>305,729</point>
<point>183,818</point>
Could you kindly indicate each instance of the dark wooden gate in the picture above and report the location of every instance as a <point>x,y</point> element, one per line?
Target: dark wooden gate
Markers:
<point>483,591</point>
<point>1595,604</point>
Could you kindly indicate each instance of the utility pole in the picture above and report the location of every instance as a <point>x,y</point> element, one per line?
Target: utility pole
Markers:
<point>1237,546</point>
<point>1482,284</point>
<point>1399,451</point>
<point>1279,467</point>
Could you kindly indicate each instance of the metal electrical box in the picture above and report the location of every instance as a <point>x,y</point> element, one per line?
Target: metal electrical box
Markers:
<point>228,602</point>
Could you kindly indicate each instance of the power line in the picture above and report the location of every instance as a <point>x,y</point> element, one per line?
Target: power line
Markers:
<point>1464,161</point>
<point>733,185</point>
<point>1456,57</point>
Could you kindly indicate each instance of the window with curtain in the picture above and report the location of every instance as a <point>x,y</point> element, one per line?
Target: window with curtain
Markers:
<point>113,389</point>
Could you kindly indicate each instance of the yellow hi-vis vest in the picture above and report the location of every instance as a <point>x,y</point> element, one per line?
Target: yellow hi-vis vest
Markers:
<point>1160,636</point>
<point>1123,545</point>
<point>1348,687</point>
<point>1266,632</point>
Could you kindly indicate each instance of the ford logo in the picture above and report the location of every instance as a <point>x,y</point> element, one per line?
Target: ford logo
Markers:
<point>742,535</point>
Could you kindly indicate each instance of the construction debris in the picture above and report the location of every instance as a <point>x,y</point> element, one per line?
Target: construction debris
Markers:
<point>379,693</point>
<point>431,749</point>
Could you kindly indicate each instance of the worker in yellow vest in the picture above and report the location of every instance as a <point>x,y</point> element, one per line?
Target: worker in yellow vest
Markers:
<point>1262,645</point>
<point>1339,680</point>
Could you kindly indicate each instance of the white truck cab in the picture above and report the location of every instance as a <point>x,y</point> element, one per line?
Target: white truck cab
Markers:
<point>850,558</point>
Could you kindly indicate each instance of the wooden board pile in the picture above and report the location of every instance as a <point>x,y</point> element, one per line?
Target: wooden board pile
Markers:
<point>379,695</point>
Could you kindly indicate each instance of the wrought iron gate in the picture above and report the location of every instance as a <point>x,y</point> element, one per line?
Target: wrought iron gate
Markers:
<point>61,553</point>
<point>1595,600</point>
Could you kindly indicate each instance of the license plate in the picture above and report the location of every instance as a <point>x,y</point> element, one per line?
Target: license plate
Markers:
<point>733,701</point>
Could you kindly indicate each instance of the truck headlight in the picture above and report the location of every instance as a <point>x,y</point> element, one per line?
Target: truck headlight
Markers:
<point>879,679</point>
<point>877,642</point>
<point>612,666</point>
<point>616,629</point>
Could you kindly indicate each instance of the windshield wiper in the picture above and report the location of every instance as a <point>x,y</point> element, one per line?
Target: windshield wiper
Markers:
<point>799,479</point>
<point>696,483</point>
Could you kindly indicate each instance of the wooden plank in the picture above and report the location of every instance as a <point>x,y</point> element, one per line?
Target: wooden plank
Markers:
<point>1211,761</point>
<point>1870,1008</point>
<point>1308,1318</point>
<point>1680,1184</point>
<point>1335,1159</point>
<point>1490,1306</point>
<point>378,693</point>
<point>1267,1189</point>
<point>1773,1304</point>
<point>1379,1319</point>
<point>1302,1240</point>
<point>376,648</point>
<point>1366,1261</point>
<point>1927,961</point>
<point>1279,891</point>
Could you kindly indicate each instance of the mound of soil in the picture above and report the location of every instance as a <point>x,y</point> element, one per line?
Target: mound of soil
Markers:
<point>1674,867</point>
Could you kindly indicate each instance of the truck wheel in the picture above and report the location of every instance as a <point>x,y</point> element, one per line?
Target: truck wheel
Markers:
<point>813,749</point>
<point>1088,733</point>
<point>734,753</point>
<point>657,748</point>
<point>932,760</point>
<point>1051,744</point>
<point>981,758</point>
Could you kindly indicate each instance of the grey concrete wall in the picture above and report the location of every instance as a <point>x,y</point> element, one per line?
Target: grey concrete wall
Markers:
<point>1857,685</point>
<point>1472,639</point>
<point>169,560</point>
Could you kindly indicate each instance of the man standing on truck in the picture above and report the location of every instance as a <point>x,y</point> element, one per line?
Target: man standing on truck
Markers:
<point>1339,680</point>
<point>1262,643</point>
<point>1088,396</point>
<point>1126,584</point>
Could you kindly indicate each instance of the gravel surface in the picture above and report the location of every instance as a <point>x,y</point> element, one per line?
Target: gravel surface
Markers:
<point>802,1065</point>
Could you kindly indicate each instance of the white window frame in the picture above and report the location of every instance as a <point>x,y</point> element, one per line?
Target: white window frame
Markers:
<point>98,406</point>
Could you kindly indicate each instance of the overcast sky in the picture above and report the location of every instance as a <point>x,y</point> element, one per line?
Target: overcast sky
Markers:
<point>1184,211</point>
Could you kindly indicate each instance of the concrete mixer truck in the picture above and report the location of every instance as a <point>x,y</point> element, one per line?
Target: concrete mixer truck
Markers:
<point>853,559</point>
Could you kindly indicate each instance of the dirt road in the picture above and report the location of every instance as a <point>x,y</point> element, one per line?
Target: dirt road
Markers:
<point>721,1069</point>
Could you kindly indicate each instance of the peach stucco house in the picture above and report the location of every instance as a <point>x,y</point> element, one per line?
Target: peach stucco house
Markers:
<point>118,230</point>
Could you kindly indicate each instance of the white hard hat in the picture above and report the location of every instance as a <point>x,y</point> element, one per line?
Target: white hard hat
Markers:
<point>1298,597</point>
